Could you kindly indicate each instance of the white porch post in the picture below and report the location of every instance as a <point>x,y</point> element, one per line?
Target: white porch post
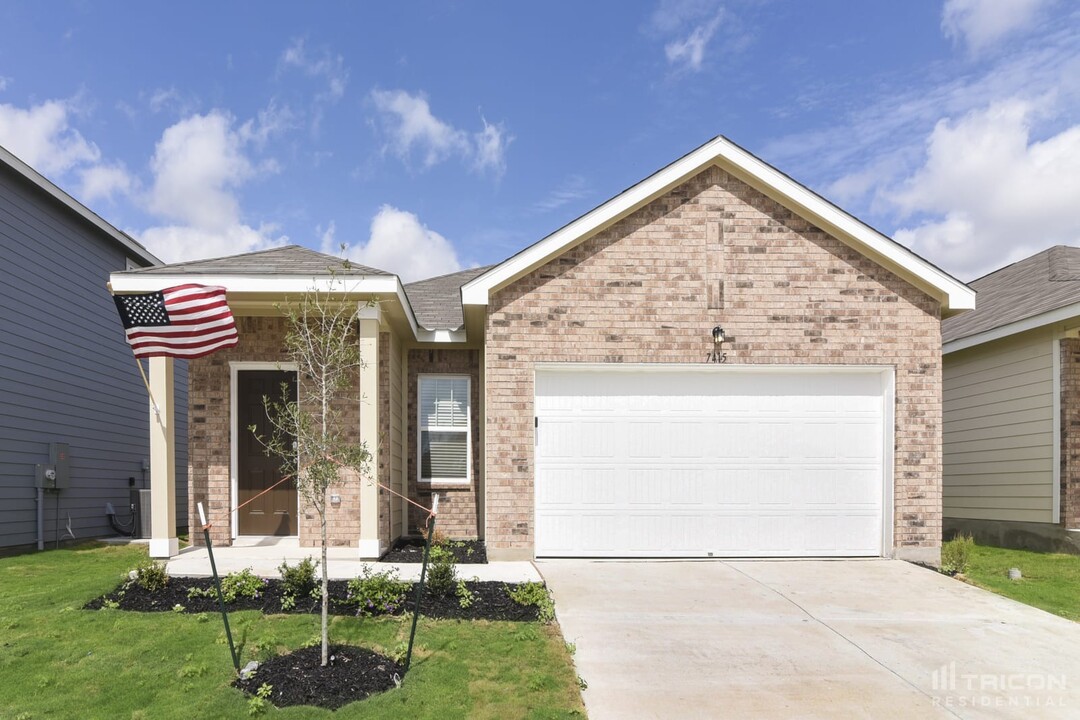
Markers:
<point>163,541</point>
<point>370,321</point>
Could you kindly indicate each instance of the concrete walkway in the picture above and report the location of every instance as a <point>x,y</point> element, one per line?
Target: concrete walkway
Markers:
<point>808,639</point>
<point>342,563</point>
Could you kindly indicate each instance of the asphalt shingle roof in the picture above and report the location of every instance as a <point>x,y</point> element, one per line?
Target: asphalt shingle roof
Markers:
<point>436,302</point>
<point>1043,282</point>
<point>287,260</point>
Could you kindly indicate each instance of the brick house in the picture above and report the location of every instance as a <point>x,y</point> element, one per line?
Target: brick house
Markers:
<point>715,362</point>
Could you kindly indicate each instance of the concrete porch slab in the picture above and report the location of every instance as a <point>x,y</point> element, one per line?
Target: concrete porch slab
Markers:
<point>343,563</point>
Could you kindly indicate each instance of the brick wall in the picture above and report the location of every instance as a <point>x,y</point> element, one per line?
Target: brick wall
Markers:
<point>1070,432</point>
<point>209,406</point>
<point>459,507</point>
<point>650,288</point>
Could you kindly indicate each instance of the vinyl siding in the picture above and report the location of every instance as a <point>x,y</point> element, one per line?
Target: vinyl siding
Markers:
<point>999,430</point>
<point>66,374</point>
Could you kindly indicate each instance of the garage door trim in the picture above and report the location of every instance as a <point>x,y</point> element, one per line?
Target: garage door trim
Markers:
<point>886,372</point>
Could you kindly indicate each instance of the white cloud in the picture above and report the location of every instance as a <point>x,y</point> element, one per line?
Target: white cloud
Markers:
<point>199,164</point>
<point>413,128</point>
<point>689,52</point>
<point>176,243</point>
<point>401,244</point>
<point>104,182</point>
<point>570,190</point>
<point>987,194</point>
<point>4,82</point>
<point>491,144</point>
<point>979,24</point>
<point>43,138</point>
<point>325,65</point>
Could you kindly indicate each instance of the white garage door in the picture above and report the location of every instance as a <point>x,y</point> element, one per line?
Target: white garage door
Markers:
<point>713,461</point>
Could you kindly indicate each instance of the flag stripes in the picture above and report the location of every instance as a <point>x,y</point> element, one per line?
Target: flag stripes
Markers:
<point>185,321</point>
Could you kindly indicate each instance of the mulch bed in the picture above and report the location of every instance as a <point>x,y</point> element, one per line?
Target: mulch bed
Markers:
<point>489,601</point>
<point>411,550</point>
<point>352,674</point>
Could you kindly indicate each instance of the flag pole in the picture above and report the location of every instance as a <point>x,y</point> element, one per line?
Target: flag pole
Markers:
<point>146,382</point>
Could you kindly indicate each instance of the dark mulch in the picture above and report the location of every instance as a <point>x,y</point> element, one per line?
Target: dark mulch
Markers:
<point>489,601</point>
<point>352,674</point>
<point>411,550</point>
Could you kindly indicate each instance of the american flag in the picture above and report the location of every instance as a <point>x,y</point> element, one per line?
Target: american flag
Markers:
<point>186,321</point>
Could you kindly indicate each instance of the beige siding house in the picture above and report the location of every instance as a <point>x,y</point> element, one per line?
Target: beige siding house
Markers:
<point>714,363</point>
<point>1007,398</point>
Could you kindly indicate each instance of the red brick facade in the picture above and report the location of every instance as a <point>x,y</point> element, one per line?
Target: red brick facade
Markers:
<point>209,408</point>
<point>1070,432</point>
<point>460,507</point>
<point>650,288</point>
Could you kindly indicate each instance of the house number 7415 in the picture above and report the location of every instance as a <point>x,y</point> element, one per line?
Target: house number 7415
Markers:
<point>716,357</point>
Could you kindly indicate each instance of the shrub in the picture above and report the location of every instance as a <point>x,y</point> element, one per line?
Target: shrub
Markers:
<point>535,594</point>
<point>243,583</point>
<point>442,574</point>
<point>151,576</point>
<point>464,595</point>
<point>298,580</point>
<point>375,593</point>
<point>956,555</point>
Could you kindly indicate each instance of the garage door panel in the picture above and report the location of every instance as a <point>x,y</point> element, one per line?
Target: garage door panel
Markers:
<point>697,464</point>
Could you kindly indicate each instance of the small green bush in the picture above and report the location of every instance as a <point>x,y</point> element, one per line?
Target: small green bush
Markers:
<point>242,583</point>
<point>151,576</point>
<point>956,555</point>
<point>535,594</point>
<point>464,595</point>
<point>441,572</point>
<point>375,593</point>
<point>298,580</point>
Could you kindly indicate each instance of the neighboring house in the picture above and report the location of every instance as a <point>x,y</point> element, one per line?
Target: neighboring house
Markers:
<point>569,401</point>
<point>66,373</point>
<point>1012,406</point>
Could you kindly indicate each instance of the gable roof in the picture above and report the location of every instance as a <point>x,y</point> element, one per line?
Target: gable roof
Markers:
<point>121,238</point>
<point>953,295</point>
<point>1037,291</point>
<point>437,301</point>
<point>285,260</point>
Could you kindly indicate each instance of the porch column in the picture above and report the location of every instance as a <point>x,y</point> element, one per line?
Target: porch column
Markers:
<point>370,321</point>
<point>163,541</point>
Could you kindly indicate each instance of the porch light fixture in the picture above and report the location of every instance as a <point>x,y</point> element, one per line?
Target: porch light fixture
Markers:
<point>718,335</point>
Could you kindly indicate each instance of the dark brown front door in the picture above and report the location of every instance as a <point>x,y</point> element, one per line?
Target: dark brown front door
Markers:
<point>275,512</point>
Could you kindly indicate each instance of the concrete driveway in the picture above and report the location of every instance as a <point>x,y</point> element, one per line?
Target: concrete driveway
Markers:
<point>808,639</point>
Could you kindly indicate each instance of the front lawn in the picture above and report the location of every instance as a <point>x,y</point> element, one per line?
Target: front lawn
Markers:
<point>59,661</point>
<point>1051,581</point>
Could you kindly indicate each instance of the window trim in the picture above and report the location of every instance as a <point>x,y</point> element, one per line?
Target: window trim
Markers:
<point>420,427</point>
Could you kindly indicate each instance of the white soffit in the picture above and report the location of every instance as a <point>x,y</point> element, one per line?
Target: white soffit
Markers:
<point>953,294</point>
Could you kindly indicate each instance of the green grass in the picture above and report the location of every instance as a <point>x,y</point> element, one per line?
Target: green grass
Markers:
<point>58,661</point>
<point>1051,581</point>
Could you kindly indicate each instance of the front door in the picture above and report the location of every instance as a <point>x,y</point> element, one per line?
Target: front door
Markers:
<point>273,513</point>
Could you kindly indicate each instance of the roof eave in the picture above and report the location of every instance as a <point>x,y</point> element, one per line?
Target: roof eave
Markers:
<point>1062,314</point>
<point>77,207</point>
<point>953,295</point>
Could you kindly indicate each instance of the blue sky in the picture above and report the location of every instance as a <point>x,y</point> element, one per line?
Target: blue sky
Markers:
<point>433,136</point>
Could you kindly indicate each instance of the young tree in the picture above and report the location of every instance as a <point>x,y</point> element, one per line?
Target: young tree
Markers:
<point>309,434</point>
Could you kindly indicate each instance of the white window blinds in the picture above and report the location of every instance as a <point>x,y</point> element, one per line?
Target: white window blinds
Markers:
<point>444,429</point>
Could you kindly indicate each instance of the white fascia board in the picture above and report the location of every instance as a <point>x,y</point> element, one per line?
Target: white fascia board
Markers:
<point>955,294</point>
<point>1060,315</point>
<point>278,284</point>
<point>81,210</point>
<point>121,283</point>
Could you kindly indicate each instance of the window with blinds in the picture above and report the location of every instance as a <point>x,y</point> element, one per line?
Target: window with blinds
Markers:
<point>444,428</point>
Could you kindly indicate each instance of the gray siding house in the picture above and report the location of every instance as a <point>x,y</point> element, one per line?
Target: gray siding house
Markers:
<point>66,373</point>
